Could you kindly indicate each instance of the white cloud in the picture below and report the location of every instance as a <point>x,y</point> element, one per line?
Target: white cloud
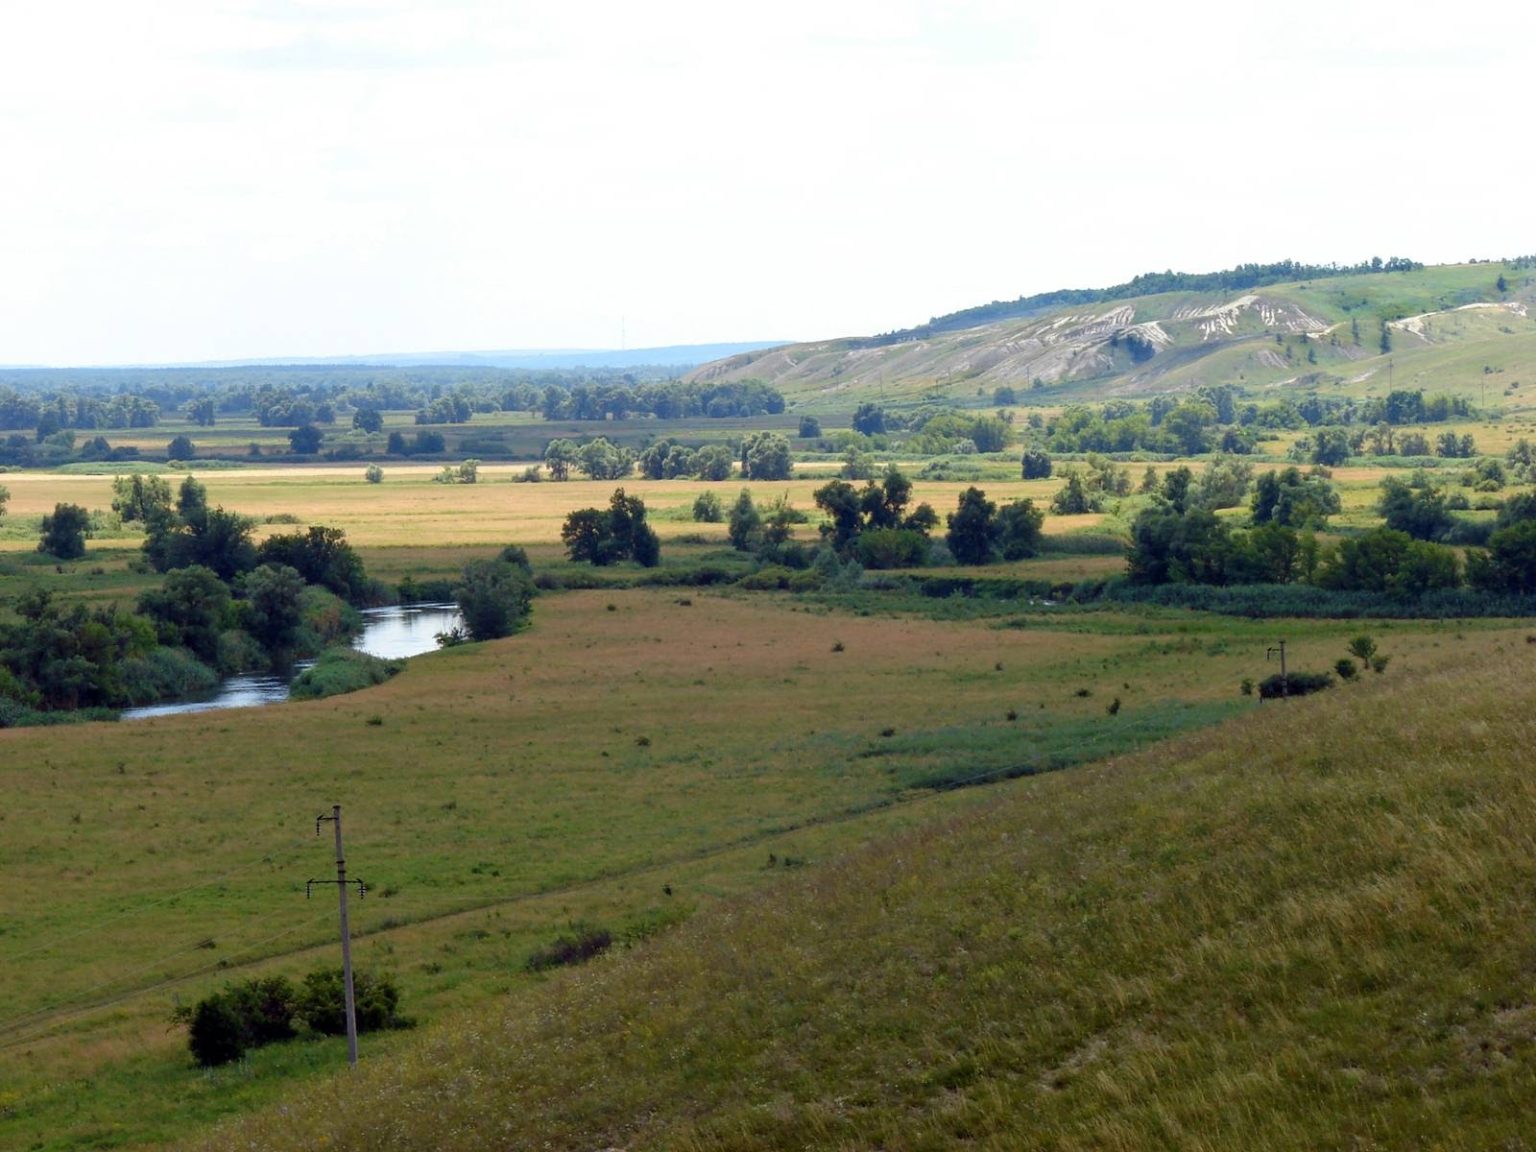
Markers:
<point>191,180</point>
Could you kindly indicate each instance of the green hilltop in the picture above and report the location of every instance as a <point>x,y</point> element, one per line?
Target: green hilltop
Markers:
<point>1463,329</point>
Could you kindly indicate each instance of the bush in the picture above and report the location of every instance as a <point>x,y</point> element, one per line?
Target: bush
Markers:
<point>224,1026</point>
<point>163,674</point>
<point>891,548</point>
<point>707,509</point>
<point>341,670</point>
<point>64,532</point>
<point>585,943</point>
<point>767,579</point>
<point>495,598</point>
<point>1296,684</point>
<point>428,591</point>
<point>322,1003</point>
<point>214,1034</point>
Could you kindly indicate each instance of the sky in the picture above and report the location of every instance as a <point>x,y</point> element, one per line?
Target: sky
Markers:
<point>193,180</point>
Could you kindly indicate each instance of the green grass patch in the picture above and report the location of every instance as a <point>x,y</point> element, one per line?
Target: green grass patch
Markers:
<point>339,670</point>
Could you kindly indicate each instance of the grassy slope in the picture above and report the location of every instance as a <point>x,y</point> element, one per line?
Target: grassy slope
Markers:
<point>1310,928</point>
<point>486,811</point>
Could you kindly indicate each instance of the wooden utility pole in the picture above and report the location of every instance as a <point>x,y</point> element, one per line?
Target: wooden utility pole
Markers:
<point>346,934</point>
<point>1285,690</point>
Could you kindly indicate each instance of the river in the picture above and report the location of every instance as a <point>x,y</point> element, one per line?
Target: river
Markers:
<point>389,633</point>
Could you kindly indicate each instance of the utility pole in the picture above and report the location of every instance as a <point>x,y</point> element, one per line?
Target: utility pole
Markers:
<point>341,883</point>
<point>1285,687</point>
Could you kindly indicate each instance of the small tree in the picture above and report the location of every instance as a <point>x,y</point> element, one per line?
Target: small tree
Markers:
<point>604,460</point>
<point>1036,464</point>
<point>5,497</point>
<point>559,455</point>
<point>810,428</point>
<point>1019,529</point>
<point>495,598</point>
<point>306,439</point>
<point>606,537</point>
<point>713,462</point>
<point>190,609</point>
<point>745,524</point>
<point>869,419</point>
<point>973,528</point>
<point>180,448</point>
<point>64,532</point>
<point>368,420</point>
<point>1073,497</point>
<point>707,508</point>
<point>272,609</point>
<point>373,474</point>
<point>140,497</point>
<point>765,456</point>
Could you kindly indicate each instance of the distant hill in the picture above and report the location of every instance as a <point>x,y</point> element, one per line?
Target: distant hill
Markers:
<point>674,355</point>
<point>1369,327</point>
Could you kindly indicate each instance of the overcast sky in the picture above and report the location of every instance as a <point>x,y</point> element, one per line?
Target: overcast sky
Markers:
<point>191,179</point>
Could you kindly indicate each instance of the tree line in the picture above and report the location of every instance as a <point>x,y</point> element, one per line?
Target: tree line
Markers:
<point>1180,539</point>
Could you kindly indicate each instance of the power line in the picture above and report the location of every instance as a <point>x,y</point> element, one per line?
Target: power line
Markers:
<point>96,926</point>
<point>41,1027</point>
<point>48,1016</point>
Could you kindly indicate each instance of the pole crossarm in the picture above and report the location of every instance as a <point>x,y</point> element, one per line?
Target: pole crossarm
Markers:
<point>362,889</point>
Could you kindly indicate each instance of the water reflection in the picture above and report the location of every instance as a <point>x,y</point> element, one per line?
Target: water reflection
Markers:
<point>389,633</point>
<point>407,630</point>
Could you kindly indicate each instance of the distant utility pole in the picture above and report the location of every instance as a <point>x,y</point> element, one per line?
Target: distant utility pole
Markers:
<point>1285,687</point>
<point>341,883</point>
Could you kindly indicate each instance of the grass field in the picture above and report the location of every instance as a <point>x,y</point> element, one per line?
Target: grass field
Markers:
<point>639,758</point>
<point>1310,928</point>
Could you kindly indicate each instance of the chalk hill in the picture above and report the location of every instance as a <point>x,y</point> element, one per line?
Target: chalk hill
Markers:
<point>1437,327</point>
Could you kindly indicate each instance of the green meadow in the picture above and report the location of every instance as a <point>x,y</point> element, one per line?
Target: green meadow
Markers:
<point>640,757</point>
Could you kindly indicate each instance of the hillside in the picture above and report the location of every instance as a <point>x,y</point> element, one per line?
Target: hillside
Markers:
<point>1447,328</point>
<point>1310,928</point>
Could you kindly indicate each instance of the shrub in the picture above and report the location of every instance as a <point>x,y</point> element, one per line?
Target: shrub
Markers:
<point>213,1033</point>
<point>1296,684</point>
<point>373,474</point>
<point>891,548</point>
<point>322,1002</point>
<point>707,509</point>
<point>429,591</point>
<point>224,1026</point>
<point>1345,667</point>
<point>64,532</point>
<point>162,674</point>
<point>582,945</point>
<point>341,670</point>
<point>495,598</point>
